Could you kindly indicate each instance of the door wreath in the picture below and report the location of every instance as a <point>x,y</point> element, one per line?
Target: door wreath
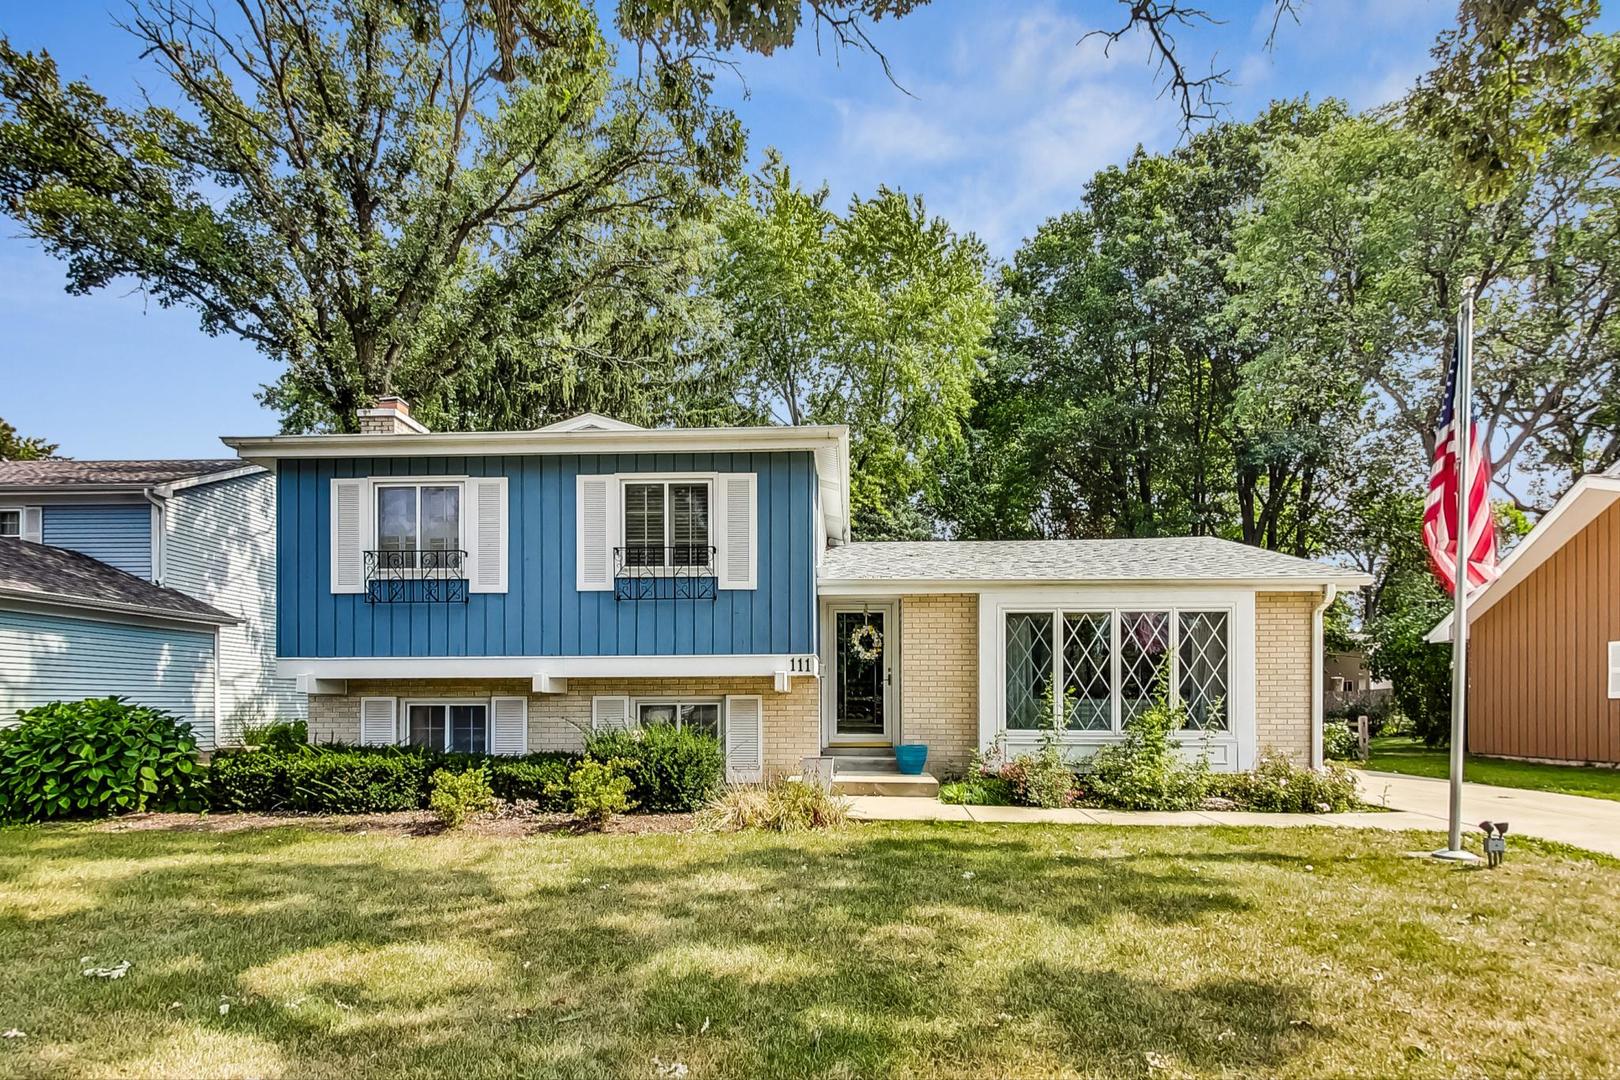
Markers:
<point>866,642</point>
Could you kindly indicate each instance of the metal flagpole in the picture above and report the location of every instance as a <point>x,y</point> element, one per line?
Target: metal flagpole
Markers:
<point>1462,421</point>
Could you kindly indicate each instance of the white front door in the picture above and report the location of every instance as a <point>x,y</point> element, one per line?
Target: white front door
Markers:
<point>859,705</point>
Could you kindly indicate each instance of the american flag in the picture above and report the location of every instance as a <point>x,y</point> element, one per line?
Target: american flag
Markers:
<point>1440,508</point>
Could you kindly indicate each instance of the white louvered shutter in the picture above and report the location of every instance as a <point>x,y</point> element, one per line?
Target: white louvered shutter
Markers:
<point>595,536</point>
<point>610,712</point>
<point>33,523</point>
<point>487,537</point>
<point>379,721</point>
<point>350,525</point>
<point>1614,669</point>
<point>739,531</point>
<point>745,739</point>
<point>509,725</point>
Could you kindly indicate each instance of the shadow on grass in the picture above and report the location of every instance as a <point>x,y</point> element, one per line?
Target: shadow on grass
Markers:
<point>865,953</point>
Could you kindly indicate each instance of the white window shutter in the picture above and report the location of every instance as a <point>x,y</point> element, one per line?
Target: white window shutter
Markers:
<point>379,721</point>
<point>350,525</point>
<point>610,712</point>
<point>595,535</point>
<point>745,739</point>
<point>487,537</point>
<point>509,725</point>
<point>739,531</point>
<point>33,523</point>
<point>1614,669</point>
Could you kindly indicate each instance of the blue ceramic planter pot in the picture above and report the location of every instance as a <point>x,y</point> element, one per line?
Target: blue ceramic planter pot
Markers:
<point>911,757</point>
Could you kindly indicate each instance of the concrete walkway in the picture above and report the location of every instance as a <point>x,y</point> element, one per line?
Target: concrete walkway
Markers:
<point>1415,803</point>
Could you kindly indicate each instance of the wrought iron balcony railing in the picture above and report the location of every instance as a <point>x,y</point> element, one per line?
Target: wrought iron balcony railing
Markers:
<point>416,577</point>
<point>654,572</point>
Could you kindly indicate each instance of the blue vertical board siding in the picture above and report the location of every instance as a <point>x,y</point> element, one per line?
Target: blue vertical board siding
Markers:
<point>118,535</point>
<point>542,613</point>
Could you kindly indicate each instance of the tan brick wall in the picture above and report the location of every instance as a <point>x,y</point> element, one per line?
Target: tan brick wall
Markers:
<point>939,677</point>
<point>792,724</point>
<point>1282,668</point>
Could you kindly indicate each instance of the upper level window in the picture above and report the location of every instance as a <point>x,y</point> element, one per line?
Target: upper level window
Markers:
<point>418,518</point>
<point>10,522</point>
<point>666,523</point>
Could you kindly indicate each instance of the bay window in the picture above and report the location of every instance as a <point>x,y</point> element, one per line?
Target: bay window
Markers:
<point>1096,670</point>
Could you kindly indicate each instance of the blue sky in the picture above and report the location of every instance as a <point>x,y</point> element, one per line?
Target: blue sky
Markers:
<point>1005,113</point>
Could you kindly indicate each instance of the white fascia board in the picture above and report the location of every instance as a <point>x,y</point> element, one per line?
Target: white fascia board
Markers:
<point>1579,507</point>
<point>165,490</point>
<point>491,443</point>
<point>829,588</point>
<point>535,667</point>
<point>79,607</point>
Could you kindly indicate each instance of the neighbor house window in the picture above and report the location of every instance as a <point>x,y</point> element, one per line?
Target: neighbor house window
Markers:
<point>456,726</point>
<point>10,522</point>
<point>666,523</point>
<point>700,716</point>
<point>1110,666</point>
<point>422,518</point>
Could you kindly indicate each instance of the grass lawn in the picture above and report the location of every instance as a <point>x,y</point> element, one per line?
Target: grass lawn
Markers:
<point>881,950</point>
<point>1400,754</point>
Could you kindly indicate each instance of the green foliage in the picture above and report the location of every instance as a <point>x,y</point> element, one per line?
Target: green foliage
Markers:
<point>94,758</point>
<point>875,318</point>
<point>1419,672</point>
<point>320,780</point>
<point>538,778</point>
<point>1339,741</point>
<point>978,791</point>
<point>1044,778</point>
<point>350,188</point>
<point>456,797</point>
<point>785,806</point>
<point>282,735</point>
<point>672,770</point>
<point>1279,786</point>
<point>599,790</point>
<point>1146,770</point>
<point>15,447</point>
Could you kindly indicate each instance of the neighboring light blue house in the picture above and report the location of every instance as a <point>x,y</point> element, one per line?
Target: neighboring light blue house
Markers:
<point>514,590</point>
<point>153,580</point>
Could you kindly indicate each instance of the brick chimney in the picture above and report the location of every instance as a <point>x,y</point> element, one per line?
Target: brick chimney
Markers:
<point>390,416</point>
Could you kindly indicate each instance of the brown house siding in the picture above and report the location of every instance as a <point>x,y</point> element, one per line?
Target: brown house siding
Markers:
<point>1538,658</point>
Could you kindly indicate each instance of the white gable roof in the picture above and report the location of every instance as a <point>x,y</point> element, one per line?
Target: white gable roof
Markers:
<point>591,421</point>
<point>1590,496</point>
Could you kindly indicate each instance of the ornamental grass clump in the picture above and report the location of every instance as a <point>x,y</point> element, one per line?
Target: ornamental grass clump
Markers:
<point>784,806</point>
<point>94,758</point>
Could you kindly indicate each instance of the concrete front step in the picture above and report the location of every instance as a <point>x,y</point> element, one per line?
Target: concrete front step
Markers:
<point>852,782</point>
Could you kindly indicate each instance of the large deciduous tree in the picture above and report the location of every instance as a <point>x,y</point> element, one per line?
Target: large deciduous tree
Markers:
<point>359,195</point>
<point>875,318</point>
<point>15,447</point>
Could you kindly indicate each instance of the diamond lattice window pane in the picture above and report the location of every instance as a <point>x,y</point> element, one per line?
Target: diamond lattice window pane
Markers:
<point>1029,670</point>
<point>1144,654</point>
<point>1088,662</point>
<point>1203,662</point>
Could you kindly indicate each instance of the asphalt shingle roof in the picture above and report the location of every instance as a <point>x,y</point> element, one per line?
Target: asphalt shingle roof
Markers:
<point>64,472</point>
<point>36,571</point>
<point>1191,558</point>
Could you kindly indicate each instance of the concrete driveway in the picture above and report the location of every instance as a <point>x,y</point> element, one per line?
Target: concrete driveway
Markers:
<point>1593,824</point>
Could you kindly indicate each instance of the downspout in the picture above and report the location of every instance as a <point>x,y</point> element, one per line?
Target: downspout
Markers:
<point>160,550</point>
<point>1317,661</point>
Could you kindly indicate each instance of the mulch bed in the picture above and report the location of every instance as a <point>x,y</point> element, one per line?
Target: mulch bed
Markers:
<point>406,823</point>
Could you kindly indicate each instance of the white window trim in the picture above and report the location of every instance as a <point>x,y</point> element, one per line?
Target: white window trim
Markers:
<point>624,480</point>
<point>403,719</point>
<point>678,701</point>
<point>379,482</point>
<point>1236,744</point>
<point>21,513</point>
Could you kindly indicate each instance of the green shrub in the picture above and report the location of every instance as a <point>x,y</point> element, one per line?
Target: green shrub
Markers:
<point>1339,742</point>
<point>786,806</point>
<point>458,796</point>
<point>320,780</point>
<point>280,735</point>
<point>671,770</point>
<point>1277,785</point>
<point>1146,771</point>
<point>93,758</point>
<point>598,790</point>
<point>978,791</point>
<point>538,778</point>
